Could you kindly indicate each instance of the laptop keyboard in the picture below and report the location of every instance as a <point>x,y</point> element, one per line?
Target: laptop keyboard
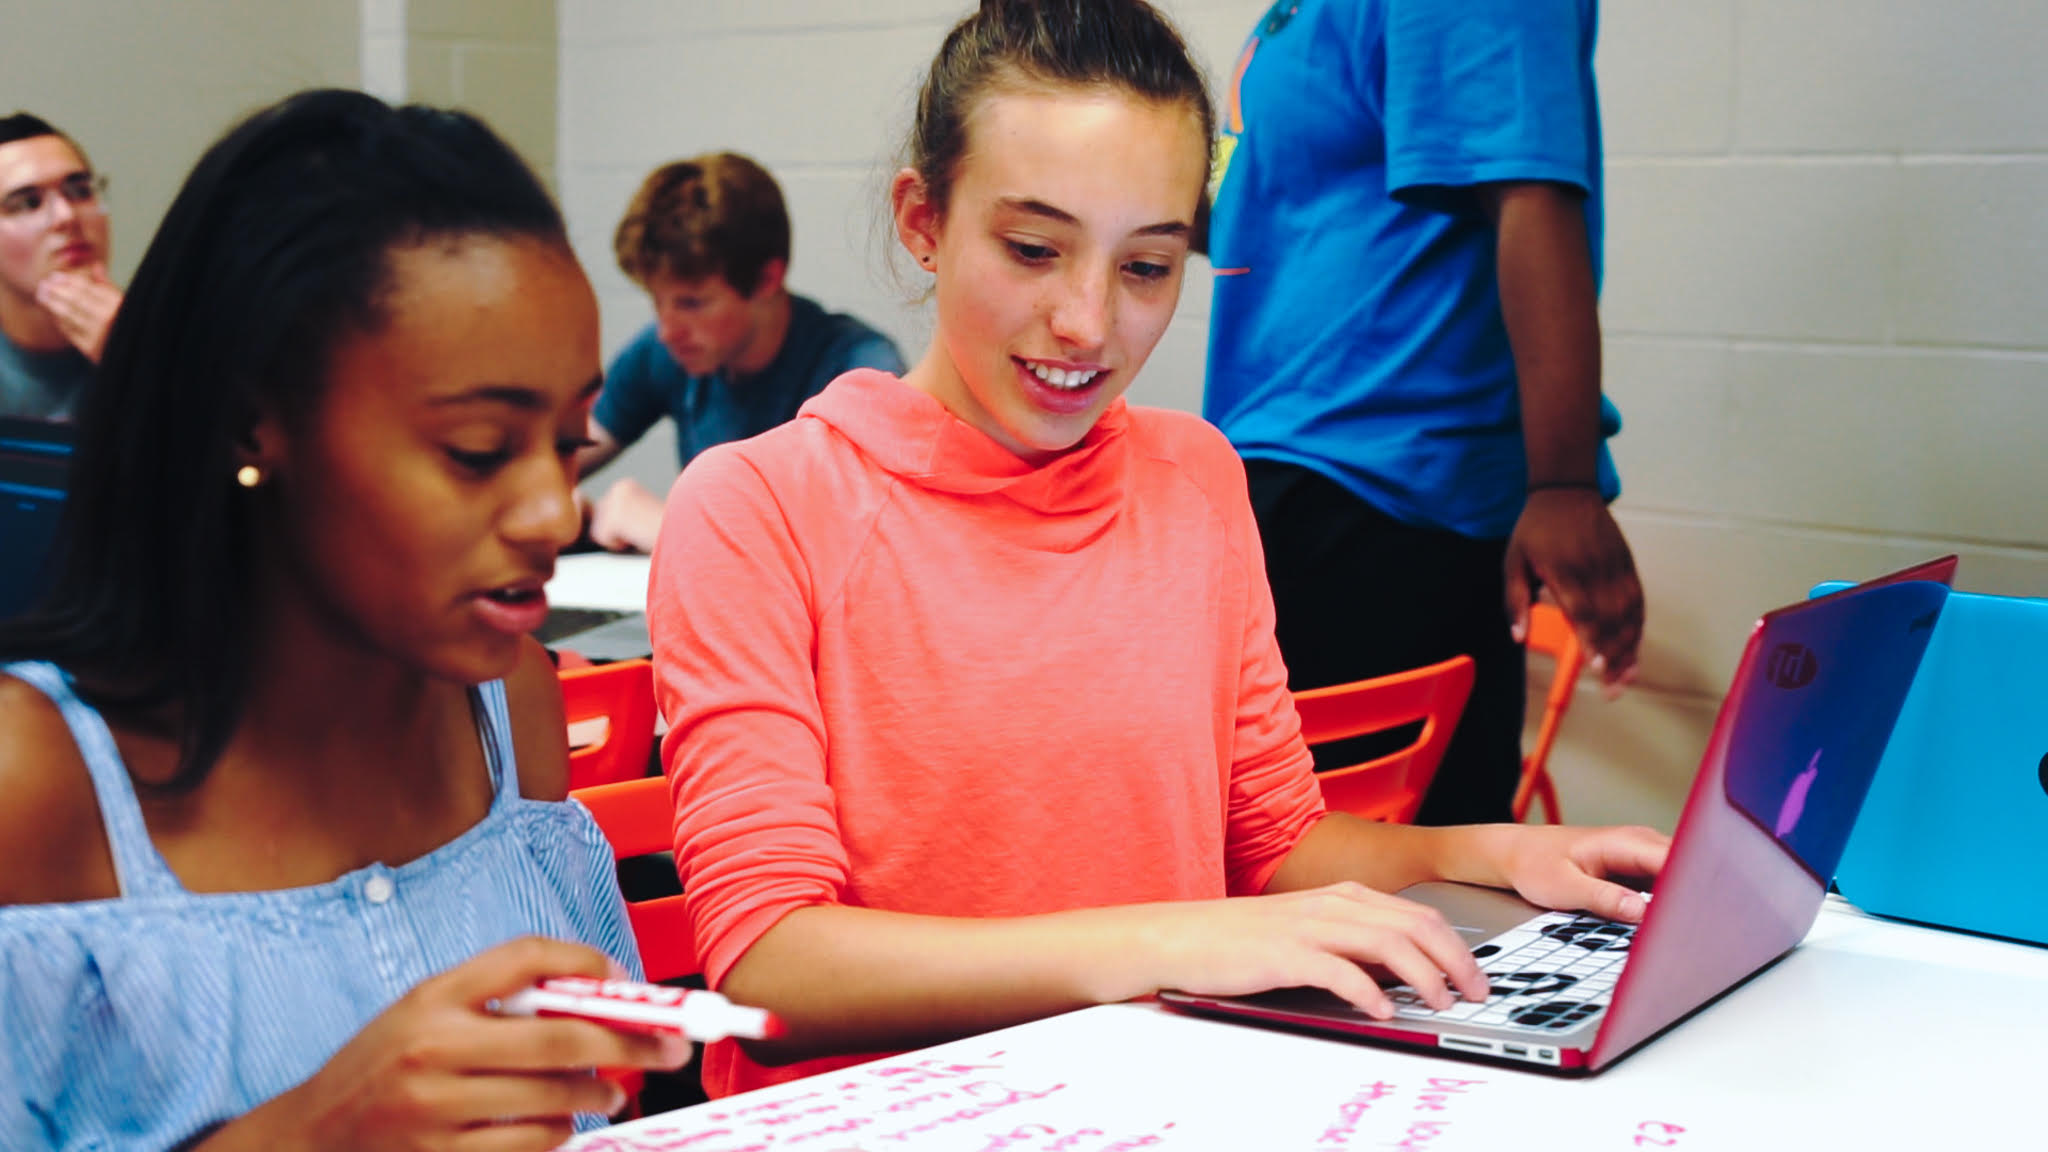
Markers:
<point>1549,973</point>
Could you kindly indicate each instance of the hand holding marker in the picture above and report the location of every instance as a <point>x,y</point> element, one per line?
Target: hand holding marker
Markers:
<point>651,1008</point>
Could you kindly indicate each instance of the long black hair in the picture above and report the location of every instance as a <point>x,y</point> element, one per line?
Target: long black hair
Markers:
<point>276,249</point>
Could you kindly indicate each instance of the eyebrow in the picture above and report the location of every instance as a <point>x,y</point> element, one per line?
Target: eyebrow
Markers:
<point>1031,207</point>
<point>515,395</point>
<point>58,182</point>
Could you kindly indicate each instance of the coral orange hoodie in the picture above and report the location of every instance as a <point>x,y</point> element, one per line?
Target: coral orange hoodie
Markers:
<point>903,669</point>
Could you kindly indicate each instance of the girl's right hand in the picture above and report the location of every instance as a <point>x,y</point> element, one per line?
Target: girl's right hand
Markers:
<point>1320,937</point>
<point>440,1070</point>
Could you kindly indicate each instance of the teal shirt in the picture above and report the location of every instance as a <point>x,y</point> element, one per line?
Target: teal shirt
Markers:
<point>644,383</point>
<point>41,385</point>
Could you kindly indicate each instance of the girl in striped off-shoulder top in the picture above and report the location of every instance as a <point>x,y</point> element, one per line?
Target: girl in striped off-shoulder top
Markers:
<point>283,772</point>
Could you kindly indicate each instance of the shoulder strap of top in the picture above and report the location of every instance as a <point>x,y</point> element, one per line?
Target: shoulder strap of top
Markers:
<point>138,867</point>
<point>494,726</point>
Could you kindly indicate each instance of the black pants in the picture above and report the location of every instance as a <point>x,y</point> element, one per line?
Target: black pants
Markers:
<point>1360,594</point>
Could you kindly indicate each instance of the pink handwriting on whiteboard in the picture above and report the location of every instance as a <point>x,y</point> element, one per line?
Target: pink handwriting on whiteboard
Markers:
<point>657,1140</point>
<point>1657,1134</point>
<point>1437,1095</point>
<point>1420,1134</point>
<point>1351,1112</point>
<point>986,1097</point>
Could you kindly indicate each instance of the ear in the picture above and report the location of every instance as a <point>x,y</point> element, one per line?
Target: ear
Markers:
<point>769,285</point>
<point>262,444</point>
<point>917,218</point>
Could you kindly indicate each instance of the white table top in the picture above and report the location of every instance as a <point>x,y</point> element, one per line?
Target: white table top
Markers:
<point>600,580</point>
<point>1872,1034</point>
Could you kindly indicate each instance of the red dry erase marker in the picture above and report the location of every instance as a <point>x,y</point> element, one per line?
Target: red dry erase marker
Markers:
<point>651,1008</point>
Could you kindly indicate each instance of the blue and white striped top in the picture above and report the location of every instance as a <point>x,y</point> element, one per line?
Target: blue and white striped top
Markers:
<point>137,1022</point>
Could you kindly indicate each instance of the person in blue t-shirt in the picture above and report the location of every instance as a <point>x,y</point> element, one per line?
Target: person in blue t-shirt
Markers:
<point>731,352</point>
<point>1404,346</point>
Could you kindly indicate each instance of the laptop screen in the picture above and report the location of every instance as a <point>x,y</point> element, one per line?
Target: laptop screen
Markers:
<point>35,465</point>
<point>1799,762</point>
<point>1805,739</point>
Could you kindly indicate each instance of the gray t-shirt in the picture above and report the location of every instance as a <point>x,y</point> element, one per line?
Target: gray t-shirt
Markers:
<point>41,385</point>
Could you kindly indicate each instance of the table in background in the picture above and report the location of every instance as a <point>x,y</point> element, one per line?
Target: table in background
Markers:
<point>610,580</point>
<point>600,580</point>
<point>1871,1034</point>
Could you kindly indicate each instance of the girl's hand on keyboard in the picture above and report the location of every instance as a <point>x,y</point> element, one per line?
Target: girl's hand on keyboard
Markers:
<point>1569,868</point>
<point>1321,937</point>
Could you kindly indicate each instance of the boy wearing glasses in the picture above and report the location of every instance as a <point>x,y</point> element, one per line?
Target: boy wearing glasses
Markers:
<point>56,302</point>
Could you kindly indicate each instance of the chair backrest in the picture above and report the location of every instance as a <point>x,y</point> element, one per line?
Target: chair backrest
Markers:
<point>621,695</point>
<point>635,818</point>
<point>1389,787</point>
<point>1549,633</point>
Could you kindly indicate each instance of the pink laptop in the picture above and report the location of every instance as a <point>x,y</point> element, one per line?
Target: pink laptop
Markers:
<point>1792,754</point>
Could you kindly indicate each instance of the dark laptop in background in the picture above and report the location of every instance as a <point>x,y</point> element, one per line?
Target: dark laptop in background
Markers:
<point>600,635</point>
<point>1792,754</point>
<point>35,471</point>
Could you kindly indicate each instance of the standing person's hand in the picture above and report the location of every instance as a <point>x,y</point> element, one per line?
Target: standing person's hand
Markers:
<point>83,304</point>
<point>1567,541</point>
<point>440,1070</point>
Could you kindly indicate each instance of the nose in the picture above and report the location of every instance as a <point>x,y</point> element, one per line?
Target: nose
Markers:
<point>673,326</point>
<point>1084,309</point>
<point>58,209</point>
<point>543,517</point>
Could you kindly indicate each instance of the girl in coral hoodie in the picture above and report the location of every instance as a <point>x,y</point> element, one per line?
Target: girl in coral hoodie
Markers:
<point>975,710</point>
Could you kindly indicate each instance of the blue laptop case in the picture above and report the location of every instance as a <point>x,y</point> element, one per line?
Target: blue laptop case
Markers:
<point>1954,832</point>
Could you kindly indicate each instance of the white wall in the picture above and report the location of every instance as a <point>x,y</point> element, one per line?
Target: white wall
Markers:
<point>1827,260</point>
<point>145,85</point>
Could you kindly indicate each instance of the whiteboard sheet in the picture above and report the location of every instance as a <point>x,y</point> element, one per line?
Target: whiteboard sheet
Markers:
<point>1130,1076</point>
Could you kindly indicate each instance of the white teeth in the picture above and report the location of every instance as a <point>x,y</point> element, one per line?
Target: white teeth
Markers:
<point>1063,378</point>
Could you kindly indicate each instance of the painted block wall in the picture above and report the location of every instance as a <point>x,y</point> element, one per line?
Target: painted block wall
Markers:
<point>1827,274</point>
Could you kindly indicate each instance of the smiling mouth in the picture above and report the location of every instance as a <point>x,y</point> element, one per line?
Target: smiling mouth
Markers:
<point>1064,379</point>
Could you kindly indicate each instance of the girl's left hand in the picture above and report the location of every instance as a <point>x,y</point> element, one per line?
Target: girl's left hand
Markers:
<point>1567,867</point>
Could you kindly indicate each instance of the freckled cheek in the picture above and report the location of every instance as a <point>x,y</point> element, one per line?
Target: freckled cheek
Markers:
<point>1142,319</point>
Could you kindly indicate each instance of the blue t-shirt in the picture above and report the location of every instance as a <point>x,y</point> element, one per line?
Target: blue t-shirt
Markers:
<point>41,385</point>
<point>644,382</point>
<point>1356,327</point>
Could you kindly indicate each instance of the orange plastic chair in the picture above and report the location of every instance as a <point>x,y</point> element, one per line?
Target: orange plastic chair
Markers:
<point>621,695</point>
<point>1389,787</point>
<point>634,817</point>
<point>1551,634</point>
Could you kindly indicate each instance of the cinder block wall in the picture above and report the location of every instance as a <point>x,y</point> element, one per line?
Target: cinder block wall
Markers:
<point>146,85</point>
<point>497,58</point>
<point>1827,271</point>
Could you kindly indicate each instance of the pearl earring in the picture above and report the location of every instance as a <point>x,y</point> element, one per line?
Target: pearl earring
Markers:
<point>248,476</point>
